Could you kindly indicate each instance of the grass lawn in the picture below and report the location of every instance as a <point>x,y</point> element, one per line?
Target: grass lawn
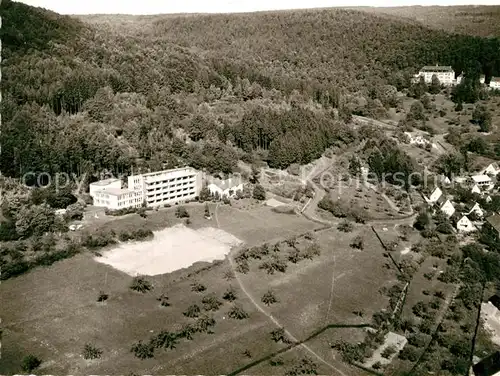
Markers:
<point>53,312</point>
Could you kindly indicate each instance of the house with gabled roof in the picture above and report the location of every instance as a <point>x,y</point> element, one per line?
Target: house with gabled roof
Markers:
<point>465,225</point>
<point>484,182</point>
<point>435,196</point>
<point>491,169</point>
<point>225,187</point>
<point>476,208</point>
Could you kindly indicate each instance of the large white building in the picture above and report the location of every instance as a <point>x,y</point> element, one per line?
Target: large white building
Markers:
<point>103,185</point>
<point>444,73</point>
<point>167,187</point>
<point>153,188</point>
<point>117,198</point>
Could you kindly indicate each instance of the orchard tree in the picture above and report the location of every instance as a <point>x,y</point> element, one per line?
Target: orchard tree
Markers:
<point>482,117</point>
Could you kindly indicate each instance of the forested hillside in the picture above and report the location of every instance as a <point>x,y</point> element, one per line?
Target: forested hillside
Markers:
<point>120,92</point>
<point>479,20</point>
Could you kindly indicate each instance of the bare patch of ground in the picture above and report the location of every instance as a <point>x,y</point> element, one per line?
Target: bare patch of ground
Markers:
<point>171,249</point>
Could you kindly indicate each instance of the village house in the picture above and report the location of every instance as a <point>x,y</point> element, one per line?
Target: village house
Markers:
<point>476,189</point>
<point>447,208</point>
<point>465,225</point>
<point>476,208</point>
<point>495,83</point>
<point>492,169</point>
<point>228,187</point>
<point>435,196</point>
<point>444,73</point>
<point>493,221</point>
<point>484,182</point>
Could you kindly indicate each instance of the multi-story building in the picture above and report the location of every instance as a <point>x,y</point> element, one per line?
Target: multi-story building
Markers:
<point>117,198</point>
<point>103,185</point>
<point>167,187</point>
<point>444,73</point>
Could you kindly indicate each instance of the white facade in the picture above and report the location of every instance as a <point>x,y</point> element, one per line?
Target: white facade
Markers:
<point>445,74</point>
<point>435,195</point>
<point>483,181</point>
<point>103,185</point>
<point>495,83</point>
<point>417,139</point>
<point>464,225</point>
<point>227,187</point>
<point>448,208</point>
<point>167,187</point>
<point>117,198</point>
<point>476,189</point>
<point>477,209</point>
<point>491,169</point>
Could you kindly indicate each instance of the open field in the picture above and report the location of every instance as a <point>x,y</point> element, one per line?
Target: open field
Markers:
<point>62,314</point>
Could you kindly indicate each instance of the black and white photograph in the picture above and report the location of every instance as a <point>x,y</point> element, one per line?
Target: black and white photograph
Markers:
<point>236,187</point>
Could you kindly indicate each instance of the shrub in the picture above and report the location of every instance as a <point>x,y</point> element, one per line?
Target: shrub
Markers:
<point>197,287</point>
<point>192,311</point>
<point>141,285</point>
<point>228,275</point>
<point>211,303</point>
<point>91,352</point>
<point>236,312</point>
<point>278,335</point>
<point>229,295</point>
<point>181,212</point>
<point>164,339</point>
<point>388,351</point>
<point>304,367</point>
<point>377,365</point>
<point>102,296</point>
<point>357,243</point>
<point>30,363</point>
<point>204,323</point>
<point>259,193</point>
<point>243,267</point>
<point>409,353</point>
<point>269,298</point>
<point>143,350</point>
<point>277,362</point>
<point>345,226</point>
<point>163,299</point>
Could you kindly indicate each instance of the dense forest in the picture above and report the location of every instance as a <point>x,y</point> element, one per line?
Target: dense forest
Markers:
<point>479,20</point>
<point>122,93</point>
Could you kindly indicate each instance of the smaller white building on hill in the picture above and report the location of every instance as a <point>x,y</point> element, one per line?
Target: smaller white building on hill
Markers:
<point>117,198</point>
<point>104,185</point>
<point>495,83</point>
<point>435,196</point>
<point>491,169</point>
<point>228,187</point>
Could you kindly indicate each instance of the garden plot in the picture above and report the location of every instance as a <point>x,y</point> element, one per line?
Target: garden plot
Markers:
<point>393,344</point>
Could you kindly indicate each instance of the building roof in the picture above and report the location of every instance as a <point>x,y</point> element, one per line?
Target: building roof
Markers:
<point>495,300</point>
<point>115,191</point>
<point>105,182</point>
<point>480,178</point>
<point>488,366</point>
<point>437,68</point>
<point>494,221</point>
<point>227,183</point>
<point>495,79</point>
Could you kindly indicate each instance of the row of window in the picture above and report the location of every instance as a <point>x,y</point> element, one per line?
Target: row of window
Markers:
<point>152,200</point>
